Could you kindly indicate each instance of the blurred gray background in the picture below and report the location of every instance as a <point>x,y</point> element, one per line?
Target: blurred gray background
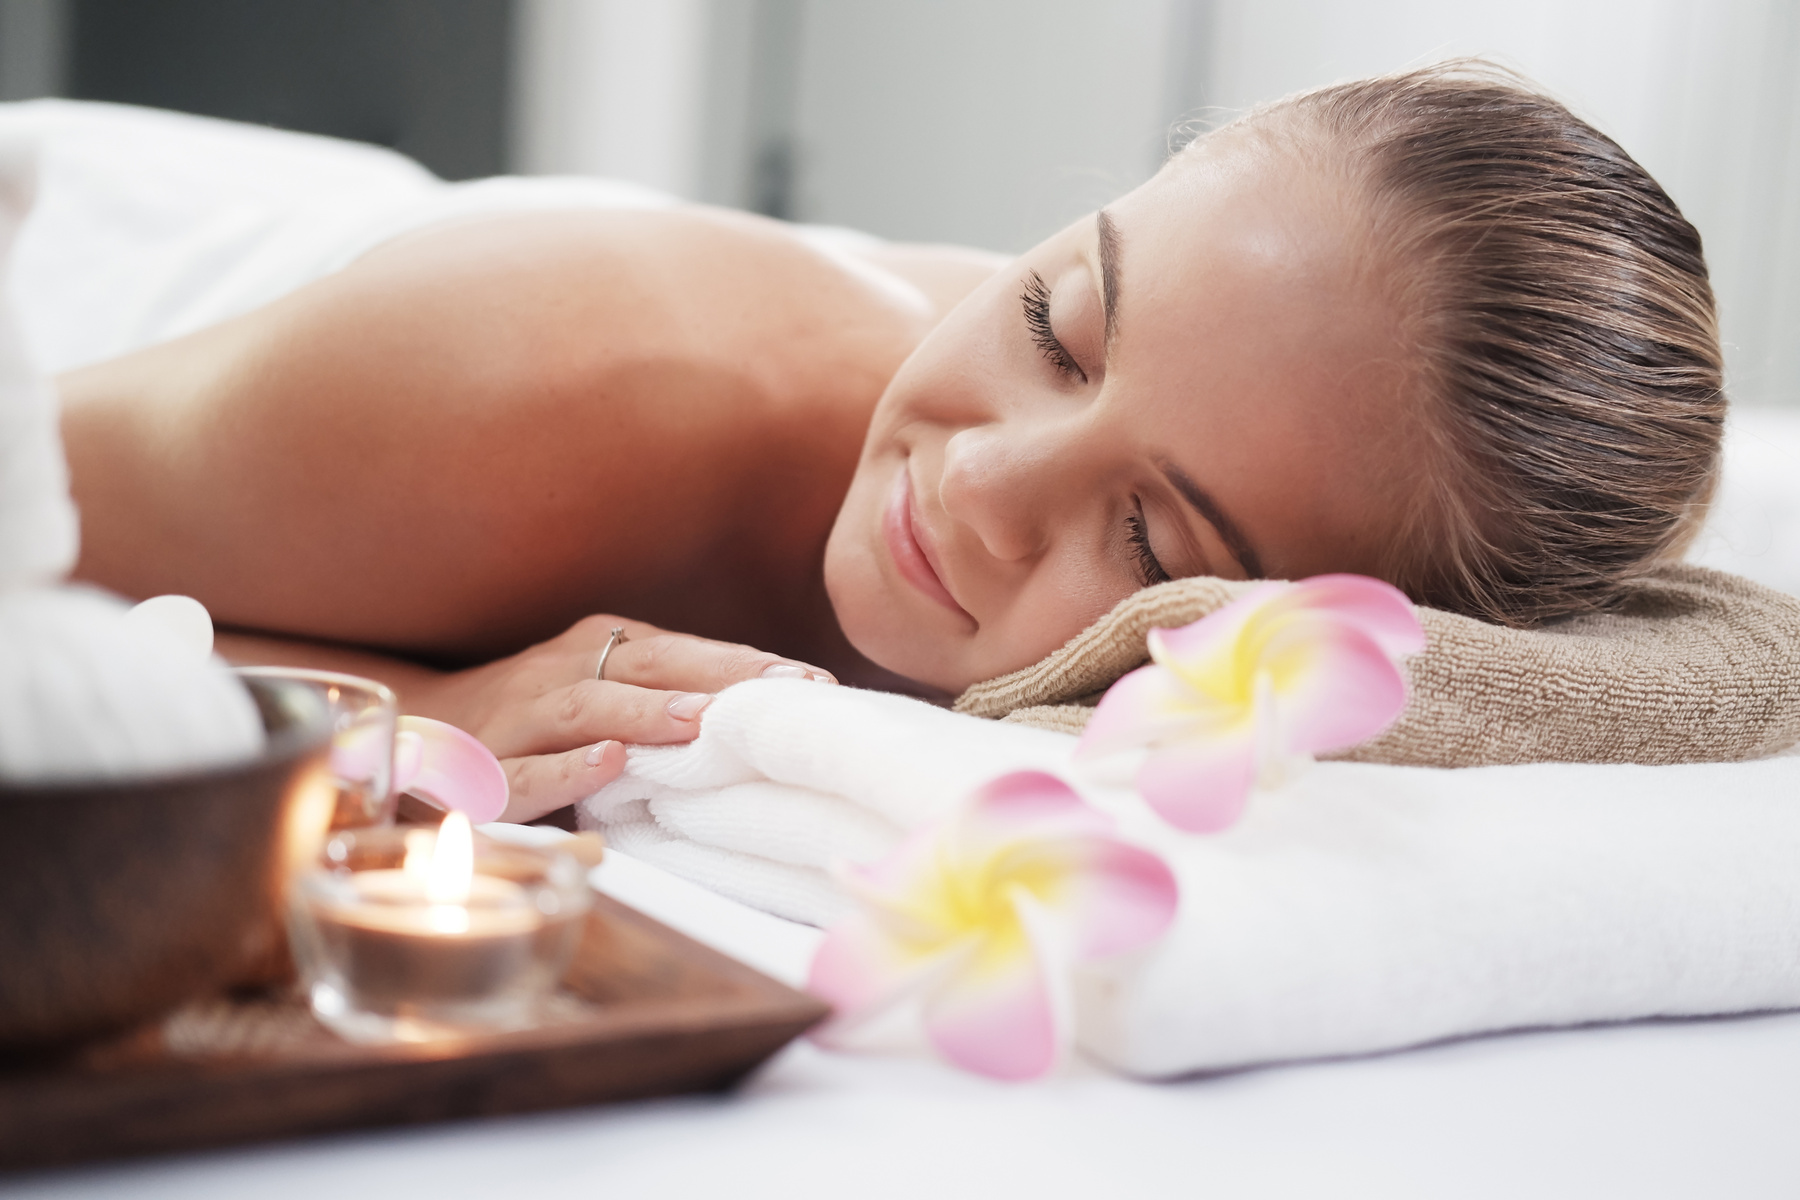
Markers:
<point>990,122</point>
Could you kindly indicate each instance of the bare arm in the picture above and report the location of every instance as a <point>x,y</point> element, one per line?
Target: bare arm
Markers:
<point>415,685</point>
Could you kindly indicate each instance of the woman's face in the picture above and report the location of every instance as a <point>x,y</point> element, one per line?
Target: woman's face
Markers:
<point>1202,379</point>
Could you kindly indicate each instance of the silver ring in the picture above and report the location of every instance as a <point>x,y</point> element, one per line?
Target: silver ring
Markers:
<point>618,636</point>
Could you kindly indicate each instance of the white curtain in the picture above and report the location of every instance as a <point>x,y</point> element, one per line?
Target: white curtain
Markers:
<point>610,87</point>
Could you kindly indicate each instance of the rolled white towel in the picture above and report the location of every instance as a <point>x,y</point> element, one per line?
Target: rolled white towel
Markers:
<point>805,894</point>
<point>788,777</point>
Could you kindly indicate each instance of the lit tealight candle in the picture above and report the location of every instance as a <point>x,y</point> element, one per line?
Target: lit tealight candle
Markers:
<point>430,946</point>
<point>436,890</point>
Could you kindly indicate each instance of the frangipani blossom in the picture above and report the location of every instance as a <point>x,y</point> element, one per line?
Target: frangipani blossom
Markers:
<point>980,917</point>
<point>432,759</point>
<point>449,767</point>
<point>1288,669</point>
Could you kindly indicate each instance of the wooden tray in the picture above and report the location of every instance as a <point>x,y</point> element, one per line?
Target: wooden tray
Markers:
<point>645,1012</point>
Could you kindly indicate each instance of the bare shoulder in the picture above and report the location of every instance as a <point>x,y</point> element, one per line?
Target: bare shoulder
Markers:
<point>595,289</point>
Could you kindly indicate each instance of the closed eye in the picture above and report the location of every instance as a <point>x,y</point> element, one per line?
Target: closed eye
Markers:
<point>1036,300</point>
<point>1150,568</point>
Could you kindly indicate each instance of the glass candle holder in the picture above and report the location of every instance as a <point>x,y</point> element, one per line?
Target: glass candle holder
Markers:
<point>416,934</point>
<point>364,716</point>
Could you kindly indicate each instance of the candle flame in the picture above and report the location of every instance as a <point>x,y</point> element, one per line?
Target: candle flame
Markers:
<point>419,845</point>
<point>448,875</point>
<point>451,872</point>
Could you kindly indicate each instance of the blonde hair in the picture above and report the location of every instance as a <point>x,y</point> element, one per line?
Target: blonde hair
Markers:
<point>1564,329</point>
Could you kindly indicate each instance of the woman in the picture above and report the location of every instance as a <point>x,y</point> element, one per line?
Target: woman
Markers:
<point>1428,327</point>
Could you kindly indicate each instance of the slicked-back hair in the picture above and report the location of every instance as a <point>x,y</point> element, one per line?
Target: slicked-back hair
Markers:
<point>1562,330</point>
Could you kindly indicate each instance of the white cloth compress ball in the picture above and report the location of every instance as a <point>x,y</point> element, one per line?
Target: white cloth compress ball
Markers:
<point>86,690</point>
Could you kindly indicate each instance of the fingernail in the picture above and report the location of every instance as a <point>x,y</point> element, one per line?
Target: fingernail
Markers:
<point>822,677</point>
<point>785,671</point>
<point>689,705</point>
<point>596,752</point>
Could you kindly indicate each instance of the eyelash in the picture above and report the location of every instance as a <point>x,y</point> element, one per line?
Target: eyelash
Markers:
<point>1036,299</point>
<point>1149,568</point>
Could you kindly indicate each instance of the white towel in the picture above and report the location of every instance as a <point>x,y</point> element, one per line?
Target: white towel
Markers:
<point>1363,908</point>
<point>769,795</point>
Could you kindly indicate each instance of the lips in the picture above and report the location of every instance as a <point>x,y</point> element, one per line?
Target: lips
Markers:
<point>909,551</point>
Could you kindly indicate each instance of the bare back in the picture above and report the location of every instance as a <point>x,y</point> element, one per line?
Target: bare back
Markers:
<point>476,435</point>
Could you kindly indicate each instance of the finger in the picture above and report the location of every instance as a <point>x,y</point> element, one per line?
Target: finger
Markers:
<point>590,711</point>
<point>696,665</point>
<point>543,783</point>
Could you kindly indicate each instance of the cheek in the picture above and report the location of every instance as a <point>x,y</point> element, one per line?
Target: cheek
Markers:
<point>1063,596</point>
<point>852,569</point>
<point>854,581</point>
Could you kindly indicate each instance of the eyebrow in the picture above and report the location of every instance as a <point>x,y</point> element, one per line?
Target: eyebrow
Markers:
<point>1109,272</point>
<point>1229,531</point>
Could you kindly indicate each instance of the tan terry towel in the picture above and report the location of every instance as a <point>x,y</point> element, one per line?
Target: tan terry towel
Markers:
<point>1694,666</point>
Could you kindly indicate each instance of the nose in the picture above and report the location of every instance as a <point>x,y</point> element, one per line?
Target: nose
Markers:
<point>1007,483</point>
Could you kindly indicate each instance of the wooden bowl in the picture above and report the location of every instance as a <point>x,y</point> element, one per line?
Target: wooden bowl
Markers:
<point>119,899</point>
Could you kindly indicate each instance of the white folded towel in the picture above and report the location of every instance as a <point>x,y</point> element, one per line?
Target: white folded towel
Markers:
<point>788,776</point>
<point>1363,908</point>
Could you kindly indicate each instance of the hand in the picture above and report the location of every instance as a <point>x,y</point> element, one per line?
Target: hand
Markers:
<point>559,731</point>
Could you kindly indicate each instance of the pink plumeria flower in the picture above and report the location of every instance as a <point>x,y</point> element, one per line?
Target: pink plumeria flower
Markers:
<point>980,917</point>
<point>1230,702</point>
<point>432,759</point>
